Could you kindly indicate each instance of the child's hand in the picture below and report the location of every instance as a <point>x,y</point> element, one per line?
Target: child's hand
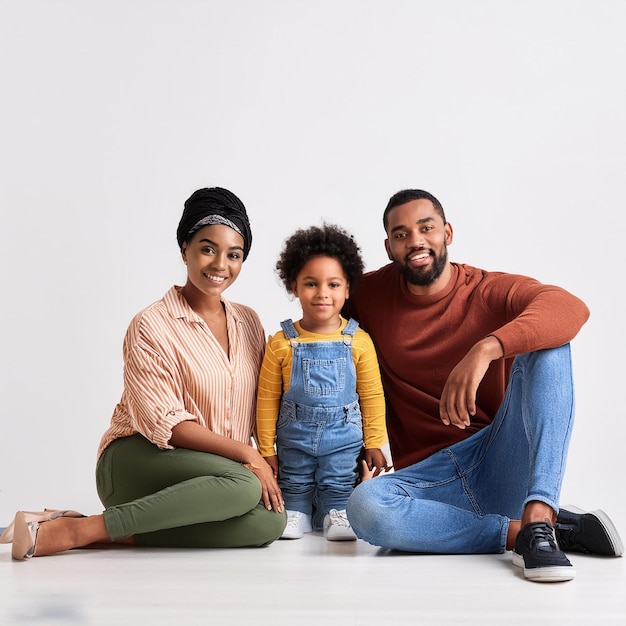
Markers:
<point>272,461</point>
<point>364,472</point>
<point>374,464</point>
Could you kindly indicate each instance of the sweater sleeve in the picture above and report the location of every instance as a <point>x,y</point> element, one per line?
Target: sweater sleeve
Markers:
<point>370,390</point>
<point>541,316</point>
<point>268,400</point>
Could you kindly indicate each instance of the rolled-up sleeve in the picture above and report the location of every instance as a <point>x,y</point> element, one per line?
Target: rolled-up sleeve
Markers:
<point>154,394</point>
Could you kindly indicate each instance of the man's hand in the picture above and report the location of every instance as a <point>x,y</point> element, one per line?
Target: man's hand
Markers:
<point>458,398</point>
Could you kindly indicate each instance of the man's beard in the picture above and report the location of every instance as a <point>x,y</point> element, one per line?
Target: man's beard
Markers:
<point>424,276</point>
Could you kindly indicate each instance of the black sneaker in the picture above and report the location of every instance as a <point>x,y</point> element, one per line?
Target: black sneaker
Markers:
<point>537,552</point>
<point>587,531</point>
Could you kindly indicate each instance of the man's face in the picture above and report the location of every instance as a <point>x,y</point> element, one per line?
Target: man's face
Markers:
<point>417,242</point>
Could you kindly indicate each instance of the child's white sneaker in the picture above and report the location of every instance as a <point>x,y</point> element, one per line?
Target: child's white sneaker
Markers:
<point>337,527</point>
<point>297,524</point>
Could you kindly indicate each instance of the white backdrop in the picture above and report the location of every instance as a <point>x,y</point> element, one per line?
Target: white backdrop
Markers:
<point>112,113</point>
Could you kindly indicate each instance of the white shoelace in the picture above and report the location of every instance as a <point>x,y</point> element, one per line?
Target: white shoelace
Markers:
<point>293,521</point>
<point>339,518</point>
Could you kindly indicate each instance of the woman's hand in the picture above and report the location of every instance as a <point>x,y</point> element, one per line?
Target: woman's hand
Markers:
<point>270,491</point>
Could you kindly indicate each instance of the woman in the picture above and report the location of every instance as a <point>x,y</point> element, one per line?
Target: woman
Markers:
<point>176,468</point>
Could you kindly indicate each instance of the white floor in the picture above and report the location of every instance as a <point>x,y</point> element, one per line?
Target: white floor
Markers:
<point>302,582</point>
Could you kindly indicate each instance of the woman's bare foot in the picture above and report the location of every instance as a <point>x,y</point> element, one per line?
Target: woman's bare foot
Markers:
<point>67,533</point>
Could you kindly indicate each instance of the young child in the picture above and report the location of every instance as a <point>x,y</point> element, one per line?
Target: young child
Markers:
<point>320,392</point>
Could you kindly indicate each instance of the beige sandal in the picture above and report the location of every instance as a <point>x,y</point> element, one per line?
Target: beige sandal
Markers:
<point>36,516</point>
<point>24,537</point>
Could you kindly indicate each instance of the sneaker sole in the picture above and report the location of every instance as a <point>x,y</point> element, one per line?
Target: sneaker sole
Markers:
<point>607,524</point>
<point>291,536</point>
<point>340,537</point>
<point>554,574</point>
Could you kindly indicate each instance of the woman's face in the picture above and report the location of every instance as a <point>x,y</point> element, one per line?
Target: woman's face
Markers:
<point>213,257</point>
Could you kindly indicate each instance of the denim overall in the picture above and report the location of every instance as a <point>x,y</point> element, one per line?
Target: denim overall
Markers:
<point>319,433</point>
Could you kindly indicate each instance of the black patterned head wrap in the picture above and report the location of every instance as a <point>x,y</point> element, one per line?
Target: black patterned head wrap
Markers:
<point>214,205</point>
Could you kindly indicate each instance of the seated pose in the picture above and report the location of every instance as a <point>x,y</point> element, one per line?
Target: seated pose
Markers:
<point>318,375</point>
<point>176,467</point>
<point>477,373</point>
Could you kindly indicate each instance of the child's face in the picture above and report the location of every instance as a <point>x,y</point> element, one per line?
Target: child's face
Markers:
<point>322,288</point>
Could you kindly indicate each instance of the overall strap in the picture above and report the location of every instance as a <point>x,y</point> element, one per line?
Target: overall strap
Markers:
<point>289,329</point>
<point>349,330</point>
<point>290,332</point>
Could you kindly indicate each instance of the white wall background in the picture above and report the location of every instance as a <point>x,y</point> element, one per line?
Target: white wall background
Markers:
<point>112,113</point>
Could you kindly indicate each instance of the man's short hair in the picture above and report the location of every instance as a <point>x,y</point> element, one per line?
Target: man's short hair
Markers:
<point>407,195</point>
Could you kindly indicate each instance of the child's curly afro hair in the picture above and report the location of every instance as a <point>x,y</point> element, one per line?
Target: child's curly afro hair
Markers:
<point>328,240</point>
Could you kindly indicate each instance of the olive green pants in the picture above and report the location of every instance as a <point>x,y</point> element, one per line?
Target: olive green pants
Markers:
<point>182,498</point>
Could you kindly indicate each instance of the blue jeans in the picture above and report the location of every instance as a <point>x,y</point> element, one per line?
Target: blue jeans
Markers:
<point>460,500</point>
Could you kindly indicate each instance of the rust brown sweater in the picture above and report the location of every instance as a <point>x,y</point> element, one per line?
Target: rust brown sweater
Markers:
<point>420,339</point>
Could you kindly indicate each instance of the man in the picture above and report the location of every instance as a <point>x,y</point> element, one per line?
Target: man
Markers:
<point>477,373</point>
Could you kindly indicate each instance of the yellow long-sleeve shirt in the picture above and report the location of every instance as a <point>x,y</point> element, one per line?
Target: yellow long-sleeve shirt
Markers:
<point>275,377</point>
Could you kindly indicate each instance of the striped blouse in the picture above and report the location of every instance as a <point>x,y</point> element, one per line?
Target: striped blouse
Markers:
<point>175,370</point>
